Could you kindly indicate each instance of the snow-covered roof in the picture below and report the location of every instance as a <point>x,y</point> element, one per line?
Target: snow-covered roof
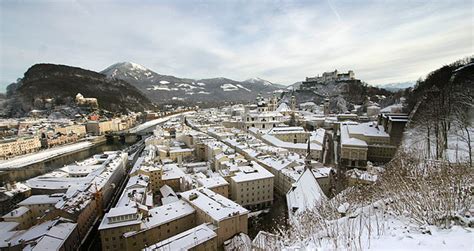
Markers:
<point>286,129</point>
<point>304,194</point>
<point>250,173</point>
<point>167,213</point>
<point>172,171</point>
<point>283,107</point>
<point>347,140</point>
<point>41,199</point>
<point>185,240</point>
<point>212,182</point>
<point>288,145</point>
<point>18,212</point>
<point>215,205</point>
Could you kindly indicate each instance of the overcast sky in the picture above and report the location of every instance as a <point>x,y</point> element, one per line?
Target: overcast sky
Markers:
<point>281,41</point>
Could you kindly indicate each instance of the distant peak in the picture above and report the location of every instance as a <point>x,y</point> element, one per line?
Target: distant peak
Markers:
<point>258,80</point>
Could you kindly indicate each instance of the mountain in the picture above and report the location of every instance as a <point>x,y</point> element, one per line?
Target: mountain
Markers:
<point>62,83</point>
<point>397,86</point>
<point>167,89</point>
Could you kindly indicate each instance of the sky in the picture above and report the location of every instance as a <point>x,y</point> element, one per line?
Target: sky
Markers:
<point>383,41</point>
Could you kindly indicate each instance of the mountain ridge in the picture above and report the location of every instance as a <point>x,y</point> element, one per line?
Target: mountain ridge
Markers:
<point>171,89</point>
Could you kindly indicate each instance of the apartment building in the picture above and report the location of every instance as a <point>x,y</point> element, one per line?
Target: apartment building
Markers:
<point>251,186</point>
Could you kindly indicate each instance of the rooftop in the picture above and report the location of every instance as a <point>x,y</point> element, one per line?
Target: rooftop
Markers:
<point>215,205</point>
<point>185,240</point>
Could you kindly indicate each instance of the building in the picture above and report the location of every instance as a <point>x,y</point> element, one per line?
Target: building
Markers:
<point>91,102</point>
<point>394,125</point>
<point>262,120</point>
<point>293,134</point>
<point>18,146</point>
<point>200,238</point>
<point>21,215</point>
<point>215,183</point>
<point>134,228</point>
<point>251,186</point>
<point>228,217</point>
<point>58,234</point>
<point>365,141</point>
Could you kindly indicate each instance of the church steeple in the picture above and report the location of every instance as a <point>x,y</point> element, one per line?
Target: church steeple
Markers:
<point>307,160</point>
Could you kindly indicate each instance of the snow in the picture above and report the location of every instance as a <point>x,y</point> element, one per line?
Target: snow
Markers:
<point>203,92</point>
<point>201,84</point>
<point>239,85</point>
<point>374,227</point>
<point>251,173</point>
<point>287,145</point>
<point>212,182</point>
<point>283,107</point>
<point>215,205</point>
<point>163,82</point>
<point>18,212</point>
<point>41,199</point>
<point>304,194</point>
<point>167,213</point>
<point>159,88</point>
<point>185,240</point>
<point>347,140</point>
<point>229,87</point>
<point>29,159</point>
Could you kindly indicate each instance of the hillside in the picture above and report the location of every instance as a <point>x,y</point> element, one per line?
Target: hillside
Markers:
<point>170,89</point>
<point>62,83</point>
<point>442,105</point>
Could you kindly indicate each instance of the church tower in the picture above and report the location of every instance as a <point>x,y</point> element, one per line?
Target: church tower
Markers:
<point>307,160</point>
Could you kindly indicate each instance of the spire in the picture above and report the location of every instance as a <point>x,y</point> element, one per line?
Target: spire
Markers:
<point>307,161</point>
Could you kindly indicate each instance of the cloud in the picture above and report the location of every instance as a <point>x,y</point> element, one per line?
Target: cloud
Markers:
<point>285,41</point>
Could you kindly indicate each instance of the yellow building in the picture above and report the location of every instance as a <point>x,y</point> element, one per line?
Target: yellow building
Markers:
<point>22,215</point>
<point>15,147</point>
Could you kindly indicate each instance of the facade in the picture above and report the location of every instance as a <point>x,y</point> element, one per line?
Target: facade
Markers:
<point>295,134</point>
<point>262,120</point>
<point>365,141</point>
<point>251,186</point>
<point>15,147</point>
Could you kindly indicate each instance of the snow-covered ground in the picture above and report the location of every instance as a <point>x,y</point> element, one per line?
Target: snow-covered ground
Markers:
<point>415,139</point>
<point>374,228</point>
<point>29,159</point>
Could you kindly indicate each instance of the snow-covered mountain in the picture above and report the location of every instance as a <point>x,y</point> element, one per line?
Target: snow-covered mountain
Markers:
<point>397,86</point>
<point>165,89</point>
